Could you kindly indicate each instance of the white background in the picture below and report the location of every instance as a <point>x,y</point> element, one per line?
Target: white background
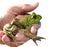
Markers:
<point>50,29</point>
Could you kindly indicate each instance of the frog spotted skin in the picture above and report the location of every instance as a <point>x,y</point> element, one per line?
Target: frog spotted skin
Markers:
<point>23,23</point>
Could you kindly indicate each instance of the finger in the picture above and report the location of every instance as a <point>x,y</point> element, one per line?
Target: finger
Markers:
<point>22,9</point>
<point>28,7</point>
<point>20,39</point>
<point>5,39</point>
<point>1,34</point>
<point>35,27</point>
<point>19,36</point>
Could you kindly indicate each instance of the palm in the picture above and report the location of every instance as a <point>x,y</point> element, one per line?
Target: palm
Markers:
<point>17,12</point>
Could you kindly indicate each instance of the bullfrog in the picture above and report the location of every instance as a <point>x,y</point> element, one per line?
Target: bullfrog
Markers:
<point>25,24</point>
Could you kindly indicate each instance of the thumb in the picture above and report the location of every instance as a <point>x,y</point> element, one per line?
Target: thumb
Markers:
<point>28,7</point>
<point>17,10</point>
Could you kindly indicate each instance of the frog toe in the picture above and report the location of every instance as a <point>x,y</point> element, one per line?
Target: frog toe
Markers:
<point>37,38</point>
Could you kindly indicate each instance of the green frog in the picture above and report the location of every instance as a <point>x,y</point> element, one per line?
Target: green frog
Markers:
<point>25,24</point>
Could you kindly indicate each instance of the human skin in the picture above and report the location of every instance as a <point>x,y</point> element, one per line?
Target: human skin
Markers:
<point>17,12</point>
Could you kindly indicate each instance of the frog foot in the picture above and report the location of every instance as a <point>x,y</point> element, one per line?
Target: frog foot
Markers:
<point>37,38</point>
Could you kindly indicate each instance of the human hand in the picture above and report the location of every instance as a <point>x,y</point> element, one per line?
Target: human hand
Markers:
<point>18,12</point>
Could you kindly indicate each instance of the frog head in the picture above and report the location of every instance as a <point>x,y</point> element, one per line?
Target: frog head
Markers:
<point>34,18</point>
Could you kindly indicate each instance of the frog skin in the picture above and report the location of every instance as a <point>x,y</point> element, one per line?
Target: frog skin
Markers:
<point>23,23</point>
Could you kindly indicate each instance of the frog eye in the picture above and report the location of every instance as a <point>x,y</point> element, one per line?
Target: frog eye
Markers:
<point>34,17</point>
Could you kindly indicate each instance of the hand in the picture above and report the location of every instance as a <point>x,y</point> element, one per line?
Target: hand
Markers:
<point>17,12</point>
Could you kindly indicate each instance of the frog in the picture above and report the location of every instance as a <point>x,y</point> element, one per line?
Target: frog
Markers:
<point>25,24</point>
